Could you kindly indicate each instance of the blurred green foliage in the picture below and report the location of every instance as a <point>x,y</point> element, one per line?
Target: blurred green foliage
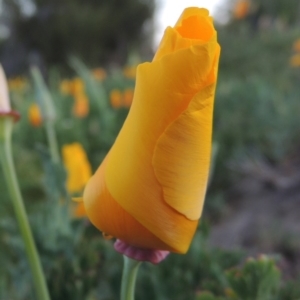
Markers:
<point>257,94</point>
<point>256,114</point>
<point>99,32</point>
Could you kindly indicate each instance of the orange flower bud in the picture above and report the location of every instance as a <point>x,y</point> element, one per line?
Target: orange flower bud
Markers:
<point>149,190</point>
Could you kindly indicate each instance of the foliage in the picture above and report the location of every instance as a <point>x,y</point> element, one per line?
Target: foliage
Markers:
<point>257,95</point>
<point>96,31</point>
<point>265,13</point>
<point>257,280</point>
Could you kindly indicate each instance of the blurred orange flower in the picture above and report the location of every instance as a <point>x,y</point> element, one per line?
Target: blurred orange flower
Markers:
<point>78,173</point>
<point>296,45</point>
<point>72,87</point>
<point>34,115</point>
<point>115,97</point>
<point>77,86</point>
<point>99,74</point>
<point>295,61</point>
<point>66,87</point>
<point>121,99</point>
<point>128,97</point>
<point>149,190</point>
<point>130,72</point>
<point>17,84</point>
<point>241,9</point>
<point>81,106</point>
<point>77,166</point>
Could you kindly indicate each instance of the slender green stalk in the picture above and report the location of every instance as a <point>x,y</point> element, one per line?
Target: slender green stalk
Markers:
<point>47,107</point>
<point>6,125</point>
<point>52,141</point>
<point>130,270</point>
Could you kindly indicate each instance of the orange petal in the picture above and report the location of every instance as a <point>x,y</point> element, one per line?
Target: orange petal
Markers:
<point>182,157</point>
<point>196,27</point>
<point>190,30</point>
<point>109,217</point>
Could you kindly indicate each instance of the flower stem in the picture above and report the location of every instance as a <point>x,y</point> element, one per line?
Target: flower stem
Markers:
<point>130,270</point>
<point>52,142</point>
<point>6,159</point>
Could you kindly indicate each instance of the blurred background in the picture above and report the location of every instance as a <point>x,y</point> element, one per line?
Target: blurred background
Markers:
<point>71,74</point>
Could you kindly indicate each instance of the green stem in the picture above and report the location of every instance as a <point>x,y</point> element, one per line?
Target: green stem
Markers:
<point>52,142</point>
<point>130,270</point>
<point>16,197</point>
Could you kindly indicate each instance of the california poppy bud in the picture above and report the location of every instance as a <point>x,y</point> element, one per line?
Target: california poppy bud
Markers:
<point>149,190</point>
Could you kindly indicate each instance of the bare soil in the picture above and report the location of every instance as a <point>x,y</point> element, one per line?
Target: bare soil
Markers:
<point>263,214</point>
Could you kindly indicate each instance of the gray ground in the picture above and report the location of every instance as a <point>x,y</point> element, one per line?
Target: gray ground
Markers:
<point>263,213</point>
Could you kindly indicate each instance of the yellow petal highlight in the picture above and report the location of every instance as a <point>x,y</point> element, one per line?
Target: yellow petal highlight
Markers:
<point>150,189</point>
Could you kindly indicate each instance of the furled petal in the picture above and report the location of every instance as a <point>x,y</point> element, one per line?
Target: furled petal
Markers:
<point>181,159</point>
<point>129,173</point>
<point>193,25</point>
<point>149,190</point>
